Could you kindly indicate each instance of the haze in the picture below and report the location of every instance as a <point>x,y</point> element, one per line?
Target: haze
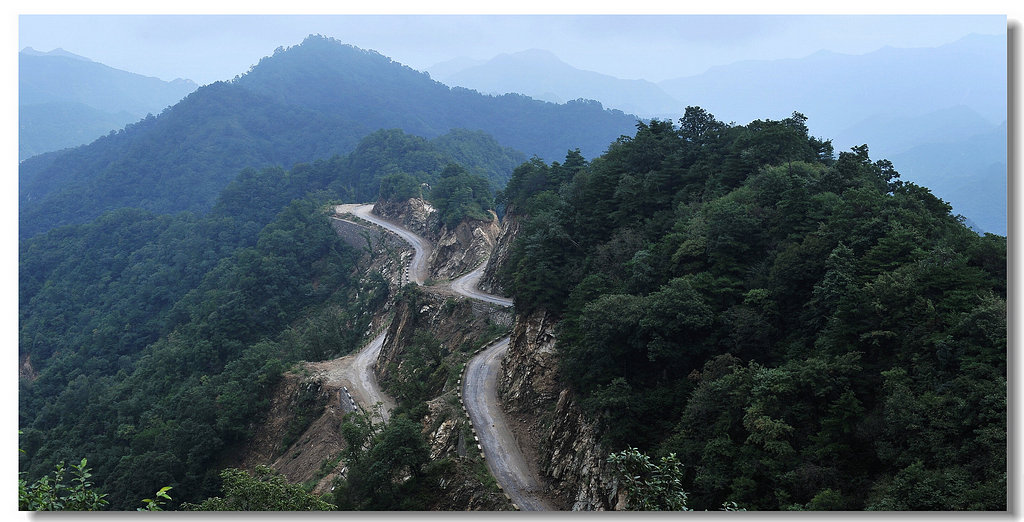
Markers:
<point>208,48</point>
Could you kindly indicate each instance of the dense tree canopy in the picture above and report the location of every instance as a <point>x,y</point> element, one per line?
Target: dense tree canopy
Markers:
<point>802,331</point>
<point>153,391</point>
<point>155,339</point>
<point>457,195</point>
<point>311,101</point>
<point>263,490</point>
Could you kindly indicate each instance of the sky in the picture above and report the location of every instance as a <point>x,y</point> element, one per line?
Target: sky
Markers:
<point>652,47</point>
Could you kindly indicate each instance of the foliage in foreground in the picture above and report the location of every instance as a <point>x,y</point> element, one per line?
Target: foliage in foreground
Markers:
<point>387,465</point>
<point>263,490</point>
<point>650,486</point>
<point>48,494</point>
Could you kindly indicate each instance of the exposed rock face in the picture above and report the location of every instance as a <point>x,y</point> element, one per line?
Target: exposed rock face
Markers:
<point>314,391</point>
<point>566,442</point>
<point>499,255</point>
<point>529,380</point>
<point>456,251</point>
<point>25,370</point>
<point>445,427</point>
<point>462,249</point>
<point>460,490</point>
<point>456,323</point>
<point>318,442</point>
<point>453,321</point>
<point>576,460</point>
<point>414,214</point>
<point>400,331</point>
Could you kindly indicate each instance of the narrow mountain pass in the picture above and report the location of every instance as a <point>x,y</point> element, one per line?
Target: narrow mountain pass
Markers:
<point>364,379</point>
<point>504,458</point>
<point>418,271</point>
<point>480,387</point>
<point>354,372</point>
<point>467,286</point>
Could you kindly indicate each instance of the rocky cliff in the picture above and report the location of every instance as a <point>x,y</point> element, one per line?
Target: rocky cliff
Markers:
<point>490,282</point>
<point>458,324</point>
<point>462,249</point>
<point>575,460</point>
<point>415,214</point>
<point>529,380</point>
<point>301,437</point>
<point>451,441</point>
<point>431,335</point>
<point>557,432</point>
<point>457,250</point>
<point>300,432</point>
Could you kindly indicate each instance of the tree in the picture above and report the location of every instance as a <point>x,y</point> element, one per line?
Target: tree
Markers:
<point>263,490</point>
<point>459,194</point>
<point>388,463</point>
<point>650,486</point>
<point>399,187</point>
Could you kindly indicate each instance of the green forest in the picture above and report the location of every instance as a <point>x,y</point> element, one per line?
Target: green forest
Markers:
<point>157,337</point>
<point>309,102</point>
<point>789,327</point>
<point>802,331</point>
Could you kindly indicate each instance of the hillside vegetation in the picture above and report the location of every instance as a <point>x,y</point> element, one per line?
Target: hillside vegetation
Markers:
<point>65,100</point>
<point>802,331</point>
<point>155,339</point>
<point>307,102</point>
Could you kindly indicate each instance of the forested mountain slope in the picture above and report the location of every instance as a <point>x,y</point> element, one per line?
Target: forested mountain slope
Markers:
<point>376,92</point>
<point>802,331</point>
<point>65,100</point>
<point>174,372</point>
<point>149,342</point>
<point>307,102</point>
<point>946,98</point>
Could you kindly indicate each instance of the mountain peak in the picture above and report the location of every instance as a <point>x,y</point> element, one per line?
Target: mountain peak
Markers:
<point>28,51</point>
<point>540,74</point>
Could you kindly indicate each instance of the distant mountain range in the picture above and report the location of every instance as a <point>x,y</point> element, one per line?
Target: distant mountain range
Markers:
<point>541,75</point>
<point>837,91</point>
<point>66,100</point>
<point>895,100</point>
<point>319,98</point>
<point>946,98</point>
<point>306,102</point>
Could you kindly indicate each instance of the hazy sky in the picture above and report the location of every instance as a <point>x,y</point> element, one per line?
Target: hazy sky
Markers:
<point>207,48</point>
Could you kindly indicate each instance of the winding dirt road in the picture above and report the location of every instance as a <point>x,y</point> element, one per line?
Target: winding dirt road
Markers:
<point>480,387</point>
<point>504,458</point>
<point>355,372</point>
<point>467,286</point>
<point>418,271</point>
<point>365,379</point>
